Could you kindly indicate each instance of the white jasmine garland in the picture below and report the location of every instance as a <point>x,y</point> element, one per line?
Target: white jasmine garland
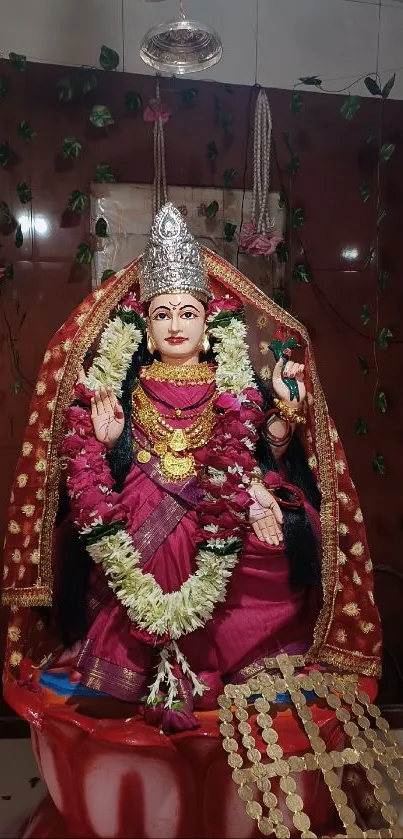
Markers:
<point>234,371</point>
<point>119,341</point>
<point>176,613</point>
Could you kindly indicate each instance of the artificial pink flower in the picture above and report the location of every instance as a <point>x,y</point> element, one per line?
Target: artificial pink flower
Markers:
<point>224,304</point>
<point>258,244</point>
<point>130,302</point>
<point>183,210</point>
<point>156,110</point>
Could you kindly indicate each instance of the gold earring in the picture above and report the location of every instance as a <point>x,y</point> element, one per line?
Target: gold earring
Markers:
<point>150,344</point>
<point>206,343</point>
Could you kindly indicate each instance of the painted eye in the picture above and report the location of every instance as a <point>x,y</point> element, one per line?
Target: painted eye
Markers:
<point>189,315</point>
<point>160,316</point>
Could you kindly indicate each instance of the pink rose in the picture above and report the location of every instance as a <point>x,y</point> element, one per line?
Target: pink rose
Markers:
<point>156,110</point>
<point>226,401</point>
<point>247,235</point>
<point>130,302</point>
<point>224,304</point>
<point>258,244</point>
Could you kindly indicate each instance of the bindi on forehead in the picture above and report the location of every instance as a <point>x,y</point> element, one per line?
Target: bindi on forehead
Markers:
<point>175,305</point>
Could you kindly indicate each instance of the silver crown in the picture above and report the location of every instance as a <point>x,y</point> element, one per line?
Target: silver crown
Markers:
<point>173,261</point>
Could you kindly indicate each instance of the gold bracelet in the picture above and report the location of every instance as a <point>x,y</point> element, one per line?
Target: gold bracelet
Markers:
<point>286,412</point>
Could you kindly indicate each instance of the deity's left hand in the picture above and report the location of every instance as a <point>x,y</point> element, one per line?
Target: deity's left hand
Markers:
<point>265,515</point>
<point>289,370</point>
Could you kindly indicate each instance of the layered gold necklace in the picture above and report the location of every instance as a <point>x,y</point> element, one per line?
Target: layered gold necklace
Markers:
<point>173,446</point>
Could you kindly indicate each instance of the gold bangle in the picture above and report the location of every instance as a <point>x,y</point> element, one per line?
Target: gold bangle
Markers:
<point>286,412</point>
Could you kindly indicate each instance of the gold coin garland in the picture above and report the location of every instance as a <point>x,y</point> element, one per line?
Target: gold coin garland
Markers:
<point>365,747</point>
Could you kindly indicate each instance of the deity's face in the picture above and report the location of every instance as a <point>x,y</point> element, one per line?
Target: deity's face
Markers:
<point>176,323</point>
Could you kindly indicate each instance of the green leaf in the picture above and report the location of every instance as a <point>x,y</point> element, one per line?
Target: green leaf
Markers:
<point>78,201</point>
<point>229,231</point>
<point>107,274</point>
<point>84,254</point>
<point>282,253</point>
<point>301,273</point>
<point>313,81</point>
<point>386,152</point>
<point>5,213</point>
<point>3,87</point>
<point>297,217</point>
<point>103,174</point>
<point>295,164</point>
<point>24,193</point>
<point>382,402</point>
<point>228,178</point>
<point>101,227</point>
<point>380,216</point>
<point>25,131</point>
<point>364,191</point>
<point>287,141</point>
<point>365,314</point>
<point>350,107</point>
<point>133,101</point>
<point>280,297</point>
<point>88,80</point>
<point>363,365</point>
<point>296,104</point>
<point>108,59</point>
<point>361,427</point>
<point>383,277</point>
<point>101,116</point>
<point>211,151</point>
<point>383,338</point>
<point>370,257</point>
<point>373,86</point>
<point>388,86</point>
<point>71,148</point>
<point>189,95</point>
<point>65,90</point>
<point>212,209</point>
<point>378,464</point>
<point>283,201</point>
<point>19,62</point>
<point>5,154</point>
<point>19,238</point>
<point>227,121</point>
<point>9,273</point>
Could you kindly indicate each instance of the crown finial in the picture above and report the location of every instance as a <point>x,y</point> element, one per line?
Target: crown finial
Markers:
<point>173,260</point>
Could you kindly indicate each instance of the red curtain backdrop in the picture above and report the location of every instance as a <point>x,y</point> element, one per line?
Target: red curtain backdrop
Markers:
<point>335,159</point>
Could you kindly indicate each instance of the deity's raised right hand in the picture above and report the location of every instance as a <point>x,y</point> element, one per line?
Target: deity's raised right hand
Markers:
<point>107,417</point>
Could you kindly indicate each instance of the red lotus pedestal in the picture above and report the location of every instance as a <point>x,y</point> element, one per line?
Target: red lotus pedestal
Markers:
<point>119,778</point>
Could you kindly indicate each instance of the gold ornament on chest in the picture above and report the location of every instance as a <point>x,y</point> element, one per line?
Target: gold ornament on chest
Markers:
<point>173,446</point>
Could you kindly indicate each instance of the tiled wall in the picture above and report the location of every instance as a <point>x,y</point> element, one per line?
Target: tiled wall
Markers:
<point>336,39</point>
<point>335,159</point>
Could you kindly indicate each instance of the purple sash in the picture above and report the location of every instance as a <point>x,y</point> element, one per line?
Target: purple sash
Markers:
<point>170,510</point>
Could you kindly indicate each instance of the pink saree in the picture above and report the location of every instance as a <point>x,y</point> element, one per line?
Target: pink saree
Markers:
<point>261,617</point>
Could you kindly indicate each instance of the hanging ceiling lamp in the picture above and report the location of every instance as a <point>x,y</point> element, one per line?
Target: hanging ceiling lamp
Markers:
<point>181,46</point>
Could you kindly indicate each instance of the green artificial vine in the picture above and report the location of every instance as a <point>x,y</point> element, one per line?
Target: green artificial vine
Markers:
<point>369,314</point>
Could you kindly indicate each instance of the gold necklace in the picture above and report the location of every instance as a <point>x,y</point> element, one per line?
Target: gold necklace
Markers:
<point>194,374</point>
<point>173,446</point>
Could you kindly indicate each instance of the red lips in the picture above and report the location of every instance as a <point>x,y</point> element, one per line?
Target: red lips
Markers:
<point>176,340</point>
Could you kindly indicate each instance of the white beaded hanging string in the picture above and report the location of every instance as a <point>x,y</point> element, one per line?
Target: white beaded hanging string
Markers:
<point>160,194</point>
<point>261,164</point>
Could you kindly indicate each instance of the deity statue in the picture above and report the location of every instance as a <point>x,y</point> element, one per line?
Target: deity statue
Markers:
<point>177,521</point>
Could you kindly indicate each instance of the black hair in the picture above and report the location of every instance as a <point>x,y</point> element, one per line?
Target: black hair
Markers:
<point>300,541</point>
